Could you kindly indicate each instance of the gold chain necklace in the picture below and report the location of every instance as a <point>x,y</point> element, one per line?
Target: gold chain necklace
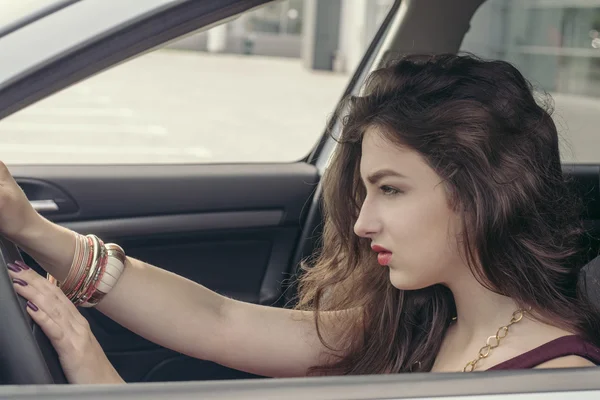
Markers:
<point>494,341</point>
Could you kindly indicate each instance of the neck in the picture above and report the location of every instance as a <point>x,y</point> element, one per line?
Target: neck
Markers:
<point>480,312</point>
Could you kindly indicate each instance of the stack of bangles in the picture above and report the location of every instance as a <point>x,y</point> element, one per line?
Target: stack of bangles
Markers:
<point>95,270</point>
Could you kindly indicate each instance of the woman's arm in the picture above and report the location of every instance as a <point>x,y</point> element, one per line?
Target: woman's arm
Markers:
<point>184,316</point>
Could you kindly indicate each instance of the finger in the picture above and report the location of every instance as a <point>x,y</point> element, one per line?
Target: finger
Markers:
<point>64,331</point>
<point>4,172</point>
<point>22,271</point>
<point>49,304</point>
<point>53,331</point>
<point>54,295</point>
<point>32,277</point>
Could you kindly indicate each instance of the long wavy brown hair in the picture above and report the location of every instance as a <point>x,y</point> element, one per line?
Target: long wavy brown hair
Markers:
<point>479,125</point>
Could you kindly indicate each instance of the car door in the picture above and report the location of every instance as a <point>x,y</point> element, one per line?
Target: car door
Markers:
<point>201,162</point>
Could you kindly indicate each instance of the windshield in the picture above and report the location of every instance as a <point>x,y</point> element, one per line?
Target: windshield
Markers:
<point>12,11</point>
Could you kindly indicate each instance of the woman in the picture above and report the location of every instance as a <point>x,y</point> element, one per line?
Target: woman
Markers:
<point>447,174</point>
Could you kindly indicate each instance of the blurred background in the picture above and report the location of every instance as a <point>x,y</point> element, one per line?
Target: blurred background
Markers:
<point>261,87</point>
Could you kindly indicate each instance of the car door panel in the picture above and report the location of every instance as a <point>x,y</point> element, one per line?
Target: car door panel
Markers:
<point>115,191</point>
<point>231,228</point>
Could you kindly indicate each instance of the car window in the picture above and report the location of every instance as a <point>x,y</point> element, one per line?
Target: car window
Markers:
<point>556,45</point>
<point>259,88</point>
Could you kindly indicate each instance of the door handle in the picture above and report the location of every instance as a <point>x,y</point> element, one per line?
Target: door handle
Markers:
<point>47,198</point>
<point>44,205</point>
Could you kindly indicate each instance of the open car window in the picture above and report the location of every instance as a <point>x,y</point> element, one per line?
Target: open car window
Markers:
<point>259,88</point>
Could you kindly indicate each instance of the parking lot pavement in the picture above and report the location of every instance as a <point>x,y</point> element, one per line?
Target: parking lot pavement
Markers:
<point>176,106</point>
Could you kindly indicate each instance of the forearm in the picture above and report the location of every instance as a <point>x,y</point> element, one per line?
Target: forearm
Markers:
<point>167,309</point>
<point>50,245</point>
<point>160,306</point>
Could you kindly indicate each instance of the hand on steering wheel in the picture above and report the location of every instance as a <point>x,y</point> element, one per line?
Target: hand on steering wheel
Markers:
<point>65,340</point>
<point>28,355</point>
<point>82,359</point>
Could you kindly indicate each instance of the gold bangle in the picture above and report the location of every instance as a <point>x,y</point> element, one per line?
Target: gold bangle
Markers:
<point>82,270</point>
<point>98,270</point>
<point>75,264</point>
<point>79,262</point>
<point>90,272</point>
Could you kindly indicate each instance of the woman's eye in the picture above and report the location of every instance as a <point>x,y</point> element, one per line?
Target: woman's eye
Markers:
<point>388,190</point>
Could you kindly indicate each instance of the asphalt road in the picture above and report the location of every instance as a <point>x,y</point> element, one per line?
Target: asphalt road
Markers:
<point>184,107</point>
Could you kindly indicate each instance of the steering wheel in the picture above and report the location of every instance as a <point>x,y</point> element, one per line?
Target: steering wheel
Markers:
<point>27,355</point>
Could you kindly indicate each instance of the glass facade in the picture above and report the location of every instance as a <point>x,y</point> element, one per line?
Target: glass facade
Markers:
<point>281,18</point>
<point>554,43</point>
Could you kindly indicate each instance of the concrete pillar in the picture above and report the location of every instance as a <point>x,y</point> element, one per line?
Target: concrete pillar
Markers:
<point>217,39</point>
<point>320,39</point>
<point>352,42</point>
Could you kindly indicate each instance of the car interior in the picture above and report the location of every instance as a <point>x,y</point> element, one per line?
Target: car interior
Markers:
<point>238,229</point>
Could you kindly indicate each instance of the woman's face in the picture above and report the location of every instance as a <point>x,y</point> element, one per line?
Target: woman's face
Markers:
<point>406,214</point>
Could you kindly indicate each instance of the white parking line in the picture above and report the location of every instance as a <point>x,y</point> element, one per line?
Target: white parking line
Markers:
<point>84,129</point>
<point>74,112</point>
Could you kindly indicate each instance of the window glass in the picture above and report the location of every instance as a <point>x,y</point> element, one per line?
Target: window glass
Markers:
<point>257,89</point>
<point>556,45</point>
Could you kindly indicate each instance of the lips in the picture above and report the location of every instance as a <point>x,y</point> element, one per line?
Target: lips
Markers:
<point>384,256</point>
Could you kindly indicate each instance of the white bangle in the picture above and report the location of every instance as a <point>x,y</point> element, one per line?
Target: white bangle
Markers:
<point>115,266</point>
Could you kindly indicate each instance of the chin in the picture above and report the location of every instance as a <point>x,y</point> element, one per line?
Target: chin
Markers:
<point>404,280</point>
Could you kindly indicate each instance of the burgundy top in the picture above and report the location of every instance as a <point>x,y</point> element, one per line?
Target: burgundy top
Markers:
<point>572,345</point>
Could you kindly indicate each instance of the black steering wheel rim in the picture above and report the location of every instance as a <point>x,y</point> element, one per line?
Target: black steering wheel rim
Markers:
<point>28,357</point>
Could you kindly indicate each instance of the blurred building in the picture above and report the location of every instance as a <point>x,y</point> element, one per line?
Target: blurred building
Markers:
<point>326,34</point>
<point>555,42</point>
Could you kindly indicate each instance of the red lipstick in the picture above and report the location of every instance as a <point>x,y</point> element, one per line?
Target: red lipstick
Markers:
<point>384,257</point>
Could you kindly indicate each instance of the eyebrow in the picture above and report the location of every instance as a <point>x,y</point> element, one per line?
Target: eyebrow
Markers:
<point>379,175</point>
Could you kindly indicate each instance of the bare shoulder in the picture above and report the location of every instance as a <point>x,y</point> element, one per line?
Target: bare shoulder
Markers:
<point>567,362</point>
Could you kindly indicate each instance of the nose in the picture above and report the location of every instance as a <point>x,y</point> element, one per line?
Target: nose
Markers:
<point>367,225</point>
